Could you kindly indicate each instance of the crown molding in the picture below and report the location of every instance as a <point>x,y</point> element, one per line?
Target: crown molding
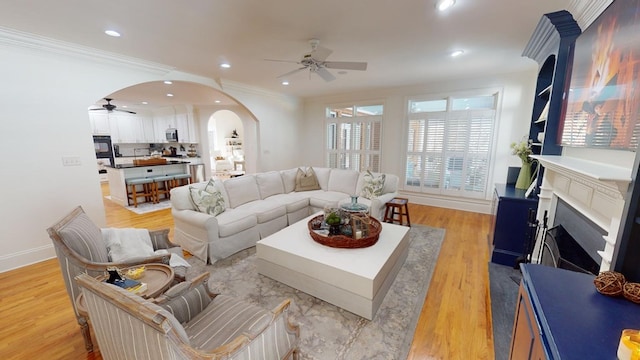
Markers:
<point>586,12</point>
<point>15,38</point>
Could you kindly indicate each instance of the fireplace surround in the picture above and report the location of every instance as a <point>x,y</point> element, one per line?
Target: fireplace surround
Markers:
<point>594,190</point>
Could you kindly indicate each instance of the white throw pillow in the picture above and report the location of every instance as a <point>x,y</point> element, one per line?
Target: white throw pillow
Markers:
<point>372,186</point>
<point>127,243</point>
<point>208,200</point>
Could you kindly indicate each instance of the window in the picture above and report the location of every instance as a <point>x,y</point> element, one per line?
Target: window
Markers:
<point>353,137</point>
<point>449,145</point>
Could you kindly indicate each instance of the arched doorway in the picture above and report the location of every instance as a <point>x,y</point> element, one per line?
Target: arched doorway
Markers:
<point>225,133</point>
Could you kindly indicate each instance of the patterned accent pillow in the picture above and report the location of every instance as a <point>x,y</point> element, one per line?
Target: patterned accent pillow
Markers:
<point>306,180</point>
<point>208,200</point>
<point>372,186</point>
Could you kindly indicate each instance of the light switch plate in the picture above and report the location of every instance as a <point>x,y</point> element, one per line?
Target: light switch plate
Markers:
<point>71,161</point>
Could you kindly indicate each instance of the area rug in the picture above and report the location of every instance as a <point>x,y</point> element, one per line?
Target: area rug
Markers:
<point>326,331</point>
<point>504,282</point>
<point>144,208</point>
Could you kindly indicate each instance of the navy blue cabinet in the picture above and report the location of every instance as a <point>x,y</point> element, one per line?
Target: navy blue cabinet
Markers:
<point>560,315</point>
<point>510,228</point>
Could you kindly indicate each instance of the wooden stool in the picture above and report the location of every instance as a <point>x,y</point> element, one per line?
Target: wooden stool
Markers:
<point>165,180</point>
<point>397,207</point>
<point>148,190</point>
<point>181,179</point>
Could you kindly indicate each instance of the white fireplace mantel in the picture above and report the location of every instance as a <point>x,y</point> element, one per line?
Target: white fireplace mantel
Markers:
<point>596,190</point>
<point>605,174</point>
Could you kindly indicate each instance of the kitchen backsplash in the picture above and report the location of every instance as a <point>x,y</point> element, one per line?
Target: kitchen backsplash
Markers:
<point>146,149</point>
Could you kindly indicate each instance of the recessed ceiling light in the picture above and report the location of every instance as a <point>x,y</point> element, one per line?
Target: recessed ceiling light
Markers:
<point>144,103</point>
<point>217,101</point>
<point>112,33</point>
<point>457,53</point>
<point>443,5</point>
<point>168,82</point>
<point>285,83</point>
<point>225,65</point>
<point>170,95</point>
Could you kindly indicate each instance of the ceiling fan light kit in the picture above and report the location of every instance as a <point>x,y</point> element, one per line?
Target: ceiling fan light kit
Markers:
<point>316,63</point>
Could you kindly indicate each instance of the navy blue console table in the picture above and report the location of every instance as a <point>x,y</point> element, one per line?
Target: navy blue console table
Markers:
<point>560,315</point>
<point>510,227</point>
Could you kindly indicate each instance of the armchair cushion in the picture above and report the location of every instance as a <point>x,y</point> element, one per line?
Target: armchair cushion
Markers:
<point>85,238</point>
<point>238,317</point>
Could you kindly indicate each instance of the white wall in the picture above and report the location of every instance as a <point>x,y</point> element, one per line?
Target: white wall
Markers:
<point>517,91</point>
<point>47,88</point>
<point>278,128</point>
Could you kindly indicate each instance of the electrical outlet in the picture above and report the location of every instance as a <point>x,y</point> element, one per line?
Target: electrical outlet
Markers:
<point>71,161</point>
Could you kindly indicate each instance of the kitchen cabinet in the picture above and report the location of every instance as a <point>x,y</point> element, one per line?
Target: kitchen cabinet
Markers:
<point>99,123</point>
<point>510,229</point>
<point>560,315</point>
<point>147,130</point>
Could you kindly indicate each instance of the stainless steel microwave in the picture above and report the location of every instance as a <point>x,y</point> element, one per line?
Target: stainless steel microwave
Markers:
<point>172,135</point>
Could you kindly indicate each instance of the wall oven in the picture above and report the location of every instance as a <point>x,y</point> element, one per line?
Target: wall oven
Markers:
<point>104,149</point>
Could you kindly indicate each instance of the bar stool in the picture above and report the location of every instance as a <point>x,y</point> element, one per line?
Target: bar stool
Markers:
<point>148,190</point>
<point>165,180</point>
<point>397,207</point>
<point>181,179</point>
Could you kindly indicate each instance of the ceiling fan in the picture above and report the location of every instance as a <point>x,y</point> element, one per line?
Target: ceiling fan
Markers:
<point>110,107</point>
<point>316,62</point>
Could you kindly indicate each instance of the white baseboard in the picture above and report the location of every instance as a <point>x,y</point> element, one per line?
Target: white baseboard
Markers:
<point>482,206</point>
<point>26,257</point>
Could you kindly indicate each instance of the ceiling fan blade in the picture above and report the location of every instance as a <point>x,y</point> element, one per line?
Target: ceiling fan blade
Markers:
<point>284,61</point>
<point>320,53</point>
<point>346,65</point>
<point>325,74</point>
<point>97,109</point>
<point>291,72</point>
<point>127,111</point>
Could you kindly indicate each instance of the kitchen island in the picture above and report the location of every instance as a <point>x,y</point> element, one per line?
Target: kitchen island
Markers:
<point>118,175</point>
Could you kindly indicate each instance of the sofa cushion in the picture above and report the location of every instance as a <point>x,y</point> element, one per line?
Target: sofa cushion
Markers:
<point>265,210</point>
<point>208,200</point>
<point>372,185</point>
<point>85,238</point>
<point>323,177</point>
<point>289,180</point>
<point>233,222</point>
<point>321,199</point>
<point>293,201</point>
<point>241,190</point>
<point>306,180</point>
<point>269,184</point>
<point>343,181</point>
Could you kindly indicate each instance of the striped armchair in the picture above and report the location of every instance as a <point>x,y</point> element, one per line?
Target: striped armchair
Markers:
<point>80,249</point>
<point>187,322</point>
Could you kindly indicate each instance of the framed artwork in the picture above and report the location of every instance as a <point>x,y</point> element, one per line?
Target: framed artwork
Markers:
<point>603,101</point>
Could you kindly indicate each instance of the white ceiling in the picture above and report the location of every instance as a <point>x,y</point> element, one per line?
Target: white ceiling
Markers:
<point>405,42</point>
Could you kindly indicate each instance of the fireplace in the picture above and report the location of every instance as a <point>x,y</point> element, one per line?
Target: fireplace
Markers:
<point>585,203</point>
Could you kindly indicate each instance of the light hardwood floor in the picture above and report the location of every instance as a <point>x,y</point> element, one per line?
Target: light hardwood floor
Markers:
<point>455,323</point>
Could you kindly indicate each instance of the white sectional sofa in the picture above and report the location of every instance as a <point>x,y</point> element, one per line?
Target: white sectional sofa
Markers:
<point>258,205</point>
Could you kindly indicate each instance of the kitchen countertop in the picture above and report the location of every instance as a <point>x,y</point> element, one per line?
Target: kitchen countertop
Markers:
<point>131,166</point>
